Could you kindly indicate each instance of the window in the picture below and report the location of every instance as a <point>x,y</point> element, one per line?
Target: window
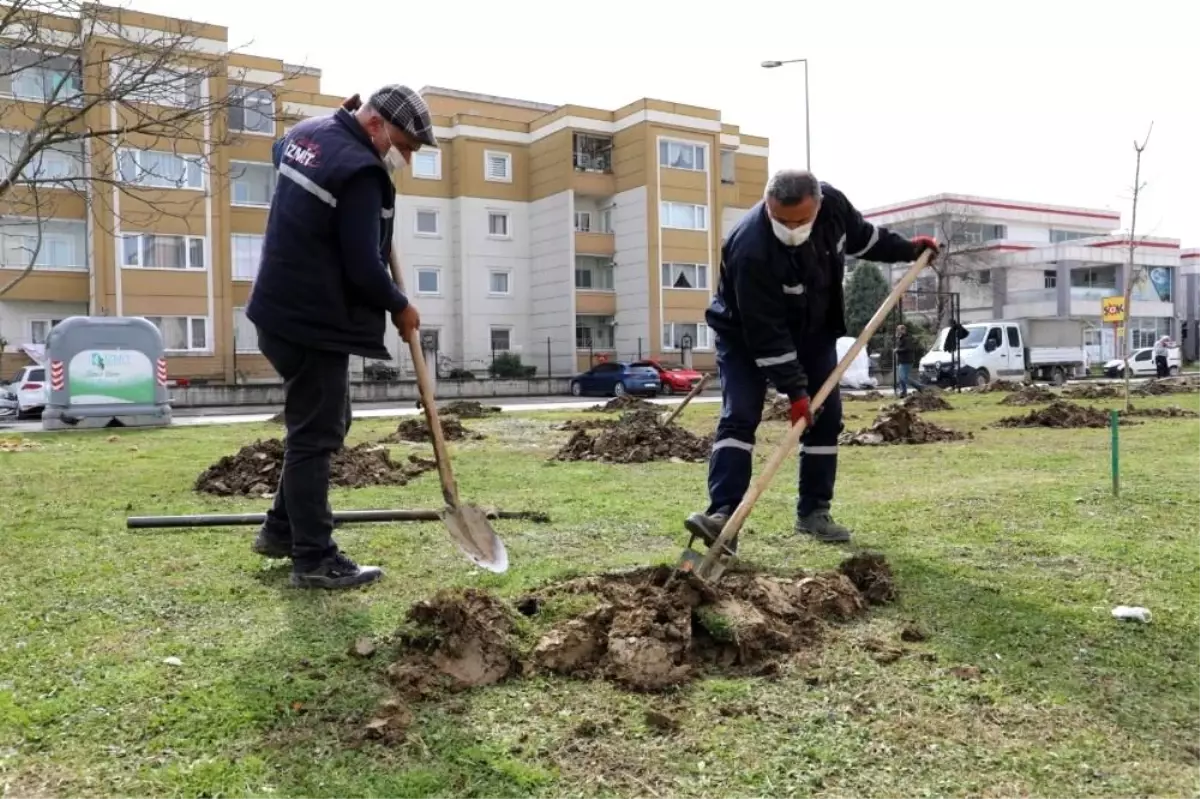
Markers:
<point>1059,236</point>
<point>429,280</point>
<point>427,164</point>
<point>1014,336</point>
<point>57,162</point>
<point>673,333</point>
<point>604,224</point>
<point>427,223</point>
<point>498,282</point>
<point>683,216</point>
<point>975,233</point>
<point>1144,331</point>
<point>592,153</point>
<point>138,81</point>
<point>62,244</point>
<point>247,252</point>
<point>497,166</point>
<point>252,110</point>
<point>42,79</point>
<point>583,221</point>
<point>161,170</point>
<point>728,166</point>
<point>157,251</point>
<point>498,224</point>
<point>245,334</point>
<point>253,184</point>
<point>39,329</point>
<point>593,274</point>
<point>434,336</point>
<point>985,277</point>
<point>594,332</point>
<point>685,276</point>
<point>182,333</point>
<point>501,339</point>
<point>682,155</point>
<point>1049,279</point>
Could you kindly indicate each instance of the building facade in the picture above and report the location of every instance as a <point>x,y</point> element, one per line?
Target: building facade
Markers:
<point>559,233</point>
<point>1011,259</point>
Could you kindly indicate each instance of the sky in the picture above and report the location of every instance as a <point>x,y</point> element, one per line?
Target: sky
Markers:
<point>1020,100</point>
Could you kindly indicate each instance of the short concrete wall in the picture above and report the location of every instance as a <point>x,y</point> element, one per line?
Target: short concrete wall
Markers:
<point>272,393</point>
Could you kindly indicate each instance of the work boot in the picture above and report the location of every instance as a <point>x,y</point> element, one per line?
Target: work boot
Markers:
<point>708,527</point>
<point>821,526</point>
<point>336,571</point>
<point>270,545</point>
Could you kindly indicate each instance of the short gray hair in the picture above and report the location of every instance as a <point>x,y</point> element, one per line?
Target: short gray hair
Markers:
<point>793,186</point>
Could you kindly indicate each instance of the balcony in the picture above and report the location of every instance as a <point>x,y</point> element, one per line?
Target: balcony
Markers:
<point>593,165</point>
<point>590,243</point>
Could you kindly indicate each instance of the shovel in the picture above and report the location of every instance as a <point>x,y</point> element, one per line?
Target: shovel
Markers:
<point>712,564</point>
<point>468,525</point>
<point>696,389</point>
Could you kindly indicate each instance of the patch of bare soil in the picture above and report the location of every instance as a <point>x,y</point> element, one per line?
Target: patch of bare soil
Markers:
<point>1030,395</point>
<point>777,409</point>
<point>870,396</point>
<point>1060,413</point>
<point>254,469</point>
<point>625,402</point>
<point>1169,412</point>
<point>999,385</point>
<point>417,430</point>
<point>926,401</point>
<point>639,437</point>
<point>1090,391</point>
<point>899,425</point>
<point>573,425</point>
<point>1156,388</point>
<point>468,409</point>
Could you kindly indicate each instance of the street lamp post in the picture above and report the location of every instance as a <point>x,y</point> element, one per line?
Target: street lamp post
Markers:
<point>807,138</point>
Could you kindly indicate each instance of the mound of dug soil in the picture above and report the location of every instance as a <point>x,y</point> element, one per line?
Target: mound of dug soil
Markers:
<point>999,385</point>
<point>1090,391</point>
<point>638,437</point>
<point>417,430</point>
<point>926,401</point>
<point>870,396</point>
<point>1060,413</point>
<point>1030,395</point>
<point>587,424</point>
<point>625,402</point>
<point>1155,388</point>
<point>1169,412</point>
<point>254,470</point>
<point>468,409</point>
<point>898,425</point>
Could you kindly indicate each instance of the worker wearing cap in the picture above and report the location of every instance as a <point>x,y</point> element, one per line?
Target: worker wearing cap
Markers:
<point>323,293</point>
<point>777,315</point>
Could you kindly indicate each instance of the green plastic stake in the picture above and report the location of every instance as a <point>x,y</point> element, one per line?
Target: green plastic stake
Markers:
<point>1116,453</point>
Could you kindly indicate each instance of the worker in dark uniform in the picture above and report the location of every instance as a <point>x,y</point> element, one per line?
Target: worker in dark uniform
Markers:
<point>323,293</point>
<point>777,315</point>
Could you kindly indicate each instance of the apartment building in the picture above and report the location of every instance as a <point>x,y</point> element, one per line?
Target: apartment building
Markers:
<point>557,232</point>
<point>1017,259</point>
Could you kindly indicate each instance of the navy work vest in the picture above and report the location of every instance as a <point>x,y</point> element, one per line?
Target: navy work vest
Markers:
<point>302,293</point>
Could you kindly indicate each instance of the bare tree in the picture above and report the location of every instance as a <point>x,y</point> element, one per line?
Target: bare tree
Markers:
<point>105,110</point>
<point>1132,272</point>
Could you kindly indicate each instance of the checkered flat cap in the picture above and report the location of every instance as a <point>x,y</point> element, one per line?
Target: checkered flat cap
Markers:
<point>407,110</point>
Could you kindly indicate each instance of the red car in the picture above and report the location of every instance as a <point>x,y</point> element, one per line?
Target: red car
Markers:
<point>675,378</point>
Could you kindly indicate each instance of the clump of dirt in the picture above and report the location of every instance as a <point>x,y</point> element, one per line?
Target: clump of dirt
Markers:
<point>778,409</point>
<point>625,402</point>
<point>1030,395</point>
<point>899,425</point>
<point>1156,388</point>
<point>1090,391</point>
<point>999,385</point>
<point>872,576</point>
<point>926,401</point>
<point>254,470</point>
<point>1060,413</point>
<point>417,430</point>
<point>639,437</point>
<point>870,396</point>
<point>573,425</point>
<point>1169,412</point>
<point>468,409</point>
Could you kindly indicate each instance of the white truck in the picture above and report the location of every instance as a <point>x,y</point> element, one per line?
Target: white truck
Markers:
<point>1035,349</point>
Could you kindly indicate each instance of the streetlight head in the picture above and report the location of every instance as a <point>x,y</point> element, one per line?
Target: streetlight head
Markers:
<point>771,64</point>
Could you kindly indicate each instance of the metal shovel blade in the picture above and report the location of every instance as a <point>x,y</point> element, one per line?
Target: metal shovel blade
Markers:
<point>472,533</point>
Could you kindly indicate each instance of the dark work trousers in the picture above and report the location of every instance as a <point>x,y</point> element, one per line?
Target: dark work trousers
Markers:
<point>316,410</point>
<point>1160,366</point>
<point>743,391</point>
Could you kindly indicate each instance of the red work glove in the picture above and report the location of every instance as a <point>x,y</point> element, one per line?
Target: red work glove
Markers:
<point>923,243</point>
<point>800,410</point>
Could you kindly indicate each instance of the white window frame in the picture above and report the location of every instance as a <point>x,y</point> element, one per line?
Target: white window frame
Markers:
<point>672,268</point>
<point>507,216</point>
<point>238,346</point>
<point>436,174</point>
<point>81,250</point>
<point>584,217</point>
<point>190,349</point>
<point>50,325</point>
<point>187,252</point>
<point>233,260</point>
<point>437,223</point>
<point>237,96</point>
<point>492,331</point>
<point>269,167</point>
<point>136,153</point>
<point>592,329</point>
<point>593,266</point>
<point>190,92</point>
<point>507,282</point>
<point>664,213</point>
<point>41,68</point>
<point>702,158</point>
<point>488,155</point>
<point>604,220</point>
<point>51,154</point>
<point>436,270</point>
<point>703,332</point>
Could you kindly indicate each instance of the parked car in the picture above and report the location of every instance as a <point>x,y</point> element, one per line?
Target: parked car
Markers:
<point>1141,363</point>
<point>674,377</point>
<point>29,387</point>
<point>8,403</point>
<point>615,378</point>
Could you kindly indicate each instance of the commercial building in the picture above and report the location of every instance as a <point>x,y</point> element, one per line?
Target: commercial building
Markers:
<point>561,233</point>
<point>1014,259</point>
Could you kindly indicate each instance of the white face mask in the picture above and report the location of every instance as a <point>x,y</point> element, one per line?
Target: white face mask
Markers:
<point>394,160</point>
<point>791,237</point>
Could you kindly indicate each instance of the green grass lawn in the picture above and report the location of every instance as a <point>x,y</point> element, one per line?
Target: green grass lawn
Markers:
<point>1008,549</point>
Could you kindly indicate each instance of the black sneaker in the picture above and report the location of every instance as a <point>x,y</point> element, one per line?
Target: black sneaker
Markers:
<point>271,546</point>
<point>337,571</point>
<point>708,527</point>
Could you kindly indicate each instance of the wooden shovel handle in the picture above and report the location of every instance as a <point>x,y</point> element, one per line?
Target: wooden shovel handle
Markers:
<point>696,389</point>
